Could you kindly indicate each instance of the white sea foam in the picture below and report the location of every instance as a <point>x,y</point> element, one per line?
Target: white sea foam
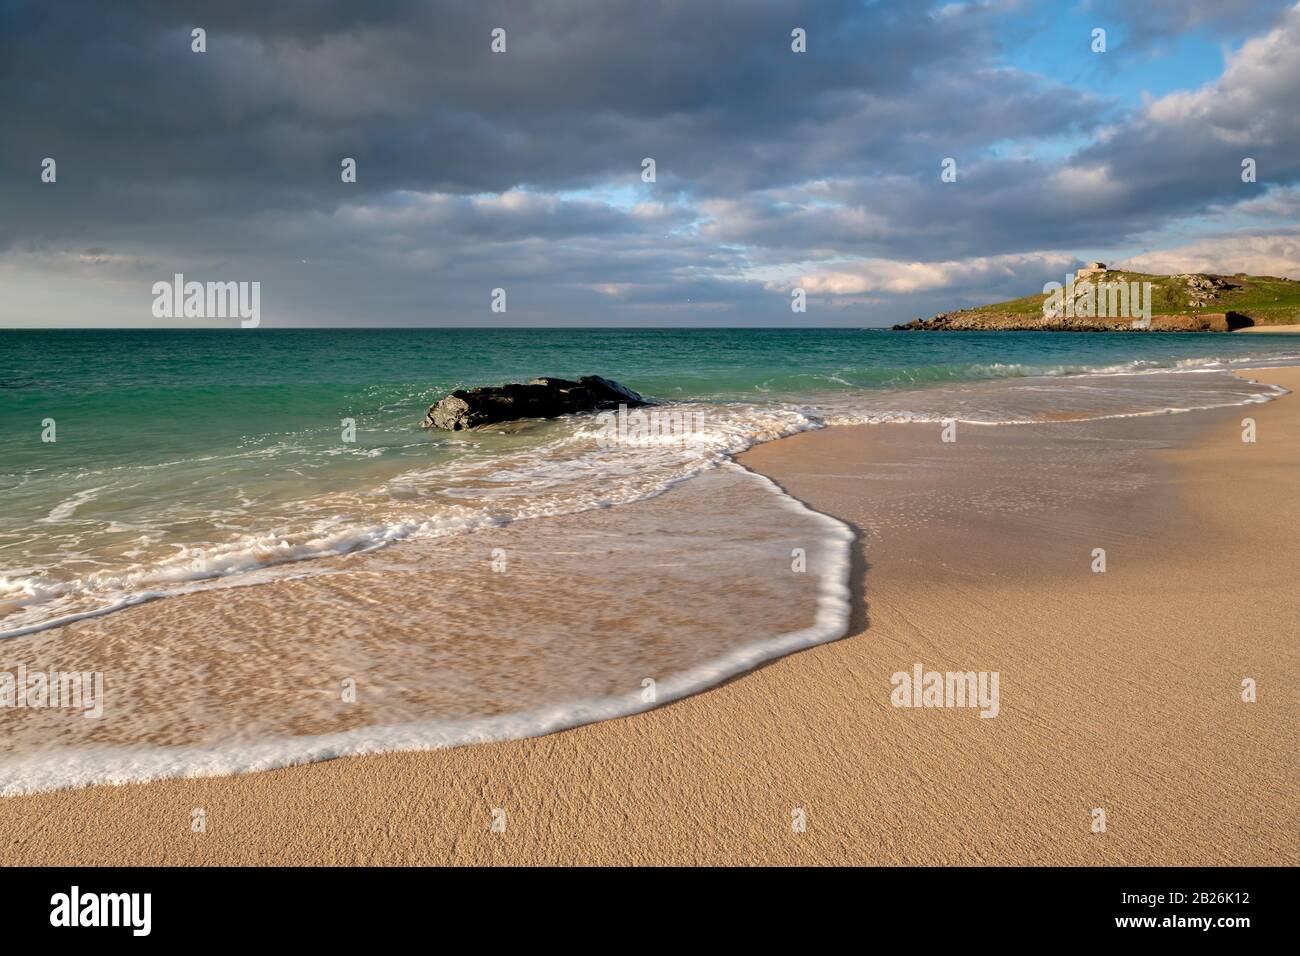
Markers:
<point>573,472</point>
<point>86,766</point>
<point>65,509</point>
<point>567,475</point>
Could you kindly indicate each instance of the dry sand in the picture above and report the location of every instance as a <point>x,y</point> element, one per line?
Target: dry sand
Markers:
<point>1270,328</point>
<point>1118,690</point>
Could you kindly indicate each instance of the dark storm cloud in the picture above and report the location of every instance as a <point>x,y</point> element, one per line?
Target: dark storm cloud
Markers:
<point>477,169</point>
<point>585,91</point>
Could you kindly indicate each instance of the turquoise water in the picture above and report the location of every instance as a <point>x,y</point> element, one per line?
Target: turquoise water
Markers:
<point>201,455</point>
<point>122,397</point>
<point>216,380</point>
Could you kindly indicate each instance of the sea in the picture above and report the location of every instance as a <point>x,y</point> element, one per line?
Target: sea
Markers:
<point>141,466</point>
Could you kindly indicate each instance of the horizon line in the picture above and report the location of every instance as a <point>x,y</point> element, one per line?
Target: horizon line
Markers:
<point>458,328</point>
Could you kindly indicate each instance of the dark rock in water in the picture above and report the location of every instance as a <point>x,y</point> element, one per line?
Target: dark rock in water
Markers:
<point>540,398</point>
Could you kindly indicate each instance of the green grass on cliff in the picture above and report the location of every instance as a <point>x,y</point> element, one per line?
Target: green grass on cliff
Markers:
<point>1266,299</point>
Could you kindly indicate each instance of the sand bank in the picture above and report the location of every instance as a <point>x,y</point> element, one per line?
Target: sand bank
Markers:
<point>1119,691</point>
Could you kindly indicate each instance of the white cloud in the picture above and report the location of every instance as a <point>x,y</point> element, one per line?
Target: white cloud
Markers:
<point>1087,183</point>
<point>904,278</point>
<point>1275,255</point>
<point>1253,101</point>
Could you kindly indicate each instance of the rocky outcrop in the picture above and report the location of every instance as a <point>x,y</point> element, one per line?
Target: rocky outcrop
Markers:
<point>1203,289</point>
<point>1013,322</point>
<point>540,398</point>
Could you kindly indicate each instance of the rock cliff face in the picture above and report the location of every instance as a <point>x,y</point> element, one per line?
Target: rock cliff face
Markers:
<point>540,398</point>
<point>971,321</point>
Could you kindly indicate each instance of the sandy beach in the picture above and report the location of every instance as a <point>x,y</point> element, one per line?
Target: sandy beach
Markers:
<point>1120,691</point>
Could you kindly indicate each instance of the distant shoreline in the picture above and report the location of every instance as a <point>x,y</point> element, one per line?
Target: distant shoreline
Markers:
<point>1100,299</point>
<point>974,321</point>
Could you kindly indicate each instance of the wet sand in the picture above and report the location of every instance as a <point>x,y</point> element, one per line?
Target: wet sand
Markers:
<point>512,631</point>
<point>1119,691</point>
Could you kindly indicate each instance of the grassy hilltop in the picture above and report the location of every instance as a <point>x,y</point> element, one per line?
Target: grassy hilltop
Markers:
<point>1267,300</point>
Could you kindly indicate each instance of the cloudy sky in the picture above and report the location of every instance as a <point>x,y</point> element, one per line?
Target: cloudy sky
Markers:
<point>523,170</point>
